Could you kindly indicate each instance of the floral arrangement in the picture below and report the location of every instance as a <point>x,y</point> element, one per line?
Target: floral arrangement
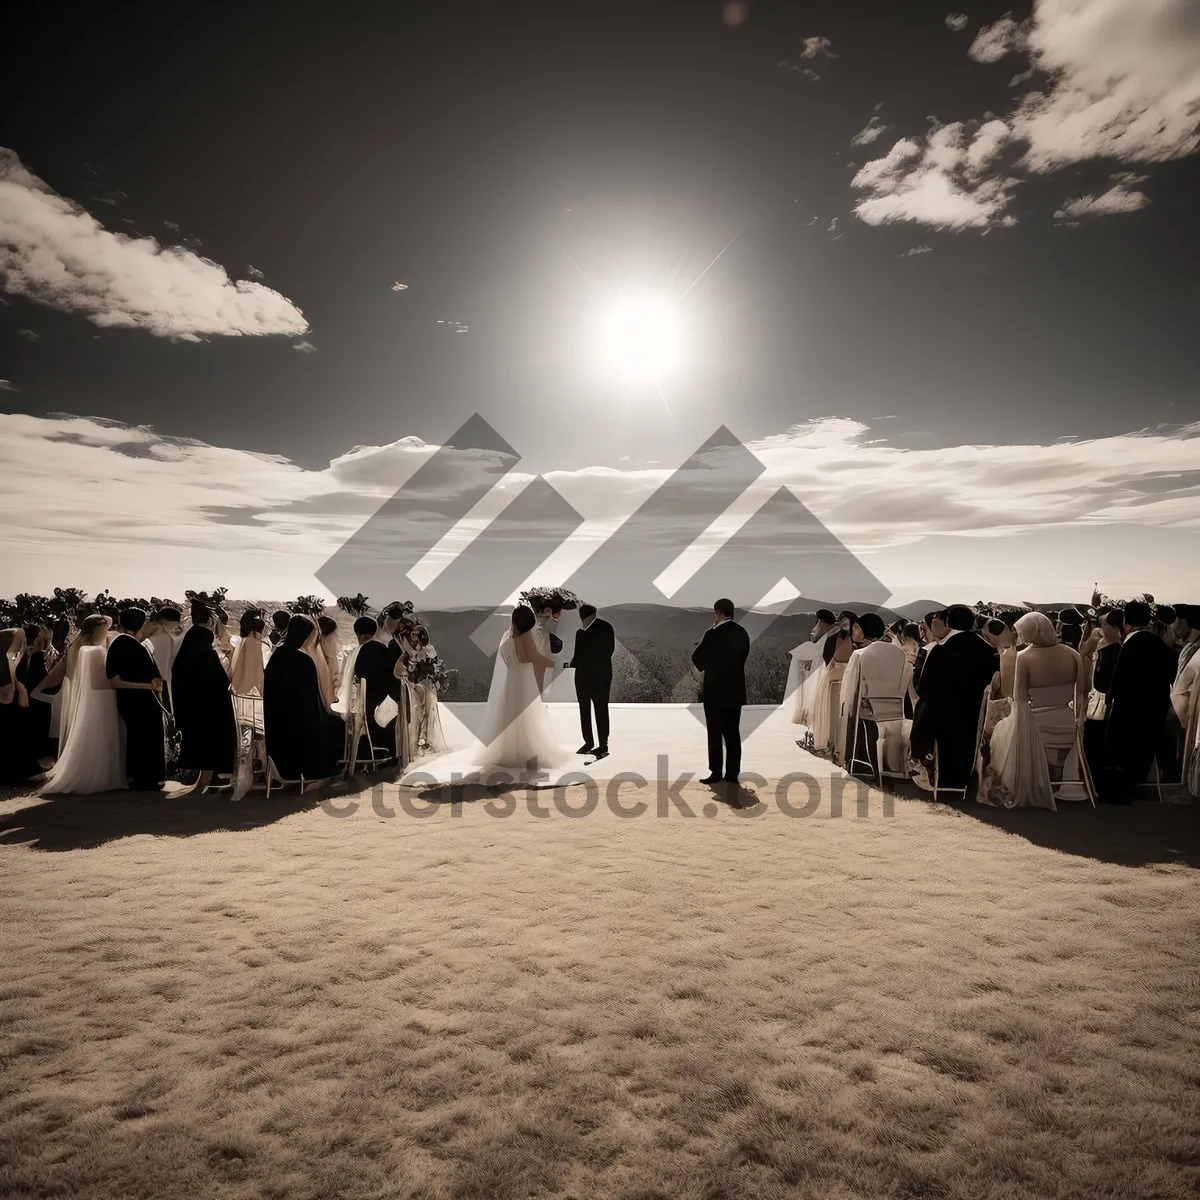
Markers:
<point>356,606</point>
<point>308,606</point>
<point>429,670</point>
<point>557,598</point>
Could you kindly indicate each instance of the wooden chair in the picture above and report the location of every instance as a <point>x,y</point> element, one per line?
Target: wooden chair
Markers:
<point>882,707</point>
<point>356,730</point>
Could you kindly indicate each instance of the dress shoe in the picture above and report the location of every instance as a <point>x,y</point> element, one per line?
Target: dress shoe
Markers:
<point>731,779</point>
<point>711,779</point>
<point>585,750</point>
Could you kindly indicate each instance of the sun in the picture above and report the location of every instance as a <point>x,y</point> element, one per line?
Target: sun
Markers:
<point>640,339</point>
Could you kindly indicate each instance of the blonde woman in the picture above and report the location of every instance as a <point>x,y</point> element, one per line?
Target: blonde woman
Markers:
<point>91,747</point>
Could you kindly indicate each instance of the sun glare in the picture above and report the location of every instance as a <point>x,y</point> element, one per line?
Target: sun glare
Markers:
<point>641,340</point>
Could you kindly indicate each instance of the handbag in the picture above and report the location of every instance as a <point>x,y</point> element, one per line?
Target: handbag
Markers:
<point>1095,705</point>
<point>386,711</point>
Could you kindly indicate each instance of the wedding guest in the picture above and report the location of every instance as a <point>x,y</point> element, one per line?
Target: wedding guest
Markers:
<point>1016,772</point>
<point>249,655</point>
<point>34,668</point>
<point>883,669</point>
<point>374,667</point>
<point>90,759</point>
<point>910,643</point>
<point>134,675</point>
<point>165,634</point>
<point>280,619</point>
<point>331,648</point>
<point>425,725</point>
<point>1187,632</point>
<point>1137,700</point>
<point>721,657</point>
<point>950,698</point>
<point>826,694</point>
<point>18,761</point>
<point>203,707</point>
<point>806,659</point>
<point>595,644</point>
<point>304,739</point>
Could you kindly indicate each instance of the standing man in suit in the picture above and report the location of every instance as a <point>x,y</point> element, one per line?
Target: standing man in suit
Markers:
<point>721,656</point>
<point>592,660</point>
<point>950,696</point>
<point>1136,704</point>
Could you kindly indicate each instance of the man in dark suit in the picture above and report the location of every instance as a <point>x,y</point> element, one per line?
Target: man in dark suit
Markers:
<point>949,698</point>
<point>1135,706</point>
<point>592,660</point>
<point>135,677</point>
<point>721,656</point>
<point>375,666</point>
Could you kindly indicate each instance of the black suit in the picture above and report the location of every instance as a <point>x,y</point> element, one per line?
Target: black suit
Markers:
<point>375,667</point>
<point>722,655</point>
<point>592,661</point>
<point>145,755</point>
<point>1136,703</point>
<point>949,698</point>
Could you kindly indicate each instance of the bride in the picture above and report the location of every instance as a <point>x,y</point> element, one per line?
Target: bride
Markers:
<point>516,730</point>
<point>93,752</point>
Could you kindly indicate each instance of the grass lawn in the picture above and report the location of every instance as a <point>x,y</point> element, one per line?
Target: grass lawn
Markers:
<point>201,999</point>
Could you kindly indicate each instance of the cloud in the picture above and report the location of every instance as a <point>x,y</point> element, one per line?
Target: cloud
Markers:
<point>55,253</point>
<point>944,181</point>
<point>95,503</point>
<point>305,347</point>
<point>994,42</point>
<point>957,21</point>
<point>254,272</point>
<point>815,47</point>
<point>29,335</point>
<point>917,250</point>
<point>1122,82</point>
<point>6,386</point>
<point>873,129</point>
<point>1122,197</point>
<point>811,74</point>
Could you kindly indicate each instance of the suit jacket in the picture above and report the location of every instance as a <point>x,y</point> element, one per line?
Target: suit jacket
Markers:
<point>131,660</point>
<point>950,691</point>
<point>1138,696</point>
<point>594,648</point>
<point>722,655</point>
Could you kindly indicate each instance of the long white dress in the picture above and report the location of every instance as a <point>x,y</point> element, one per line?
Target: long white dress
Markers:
<point>92,758</point>
<point>517,738</point>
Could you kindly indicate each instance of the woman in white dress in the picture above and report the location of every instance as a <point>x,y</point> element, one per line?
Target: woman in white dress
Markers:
<point>92,757</point>
<point>826,701</point>
<point>1047,678</point>
<point>425,734</point>
<point>516,728</point>
<point>808,661</point>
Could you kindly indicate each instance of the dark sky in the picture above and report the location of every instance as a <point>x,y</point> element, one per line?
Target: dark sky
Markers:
<point>513,162</point>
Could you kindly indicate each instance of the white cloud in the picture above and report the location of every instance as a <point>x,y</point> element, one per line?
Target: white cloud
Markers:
<point>957,21</point>
<point>811,74</point>
<point>304,347</point>
<point>944,181</point>
<point>6,386</point>
<point>994,42</point>
<point>873,129</point>
<point>917,250</point>
<point>1122,197</point>
<point>1122,82</point>
<point>55,253</point>
<point>814,47</point>
<point>77,493</point>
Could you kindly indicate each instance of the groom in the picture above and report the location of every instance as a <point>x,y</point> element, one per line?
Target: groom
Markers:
<point>594,646</point>
<point>135,675</point>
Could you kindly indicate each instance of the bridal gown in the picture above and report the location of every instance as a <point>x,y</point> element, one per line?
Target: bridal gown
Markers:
<point>92,757</point>
<point>516,730</point>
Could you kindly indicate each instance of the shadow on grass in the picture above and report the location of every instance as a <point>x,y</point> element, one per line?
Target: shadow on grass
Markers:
<point>1134,835</point>
<point>56,823</point>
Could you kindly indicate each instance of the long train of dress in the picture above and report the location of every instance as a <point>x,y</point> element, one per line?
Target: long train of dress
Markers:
<point>517,741</point>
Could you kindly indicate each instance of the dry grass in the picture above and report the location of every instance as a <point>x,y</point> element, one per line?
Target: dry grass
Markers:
<point>461,1006</point>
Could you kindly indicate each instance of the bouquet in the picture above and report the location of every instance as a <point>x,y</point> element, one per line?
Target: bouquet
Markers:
<point>429,670</point>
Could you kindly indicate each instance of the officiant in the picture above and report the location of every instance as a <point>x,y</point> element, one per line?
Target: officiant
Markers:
<point>592,662</point>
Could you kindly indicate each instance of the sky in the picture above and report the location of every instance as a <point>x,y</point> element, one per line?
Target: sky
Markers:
<point>936,266</point>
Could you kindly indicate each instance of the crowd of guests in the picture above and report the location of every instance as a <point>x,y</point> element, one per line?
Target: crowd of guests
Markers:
<point>1023,707</point>
<point>132,702</point>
